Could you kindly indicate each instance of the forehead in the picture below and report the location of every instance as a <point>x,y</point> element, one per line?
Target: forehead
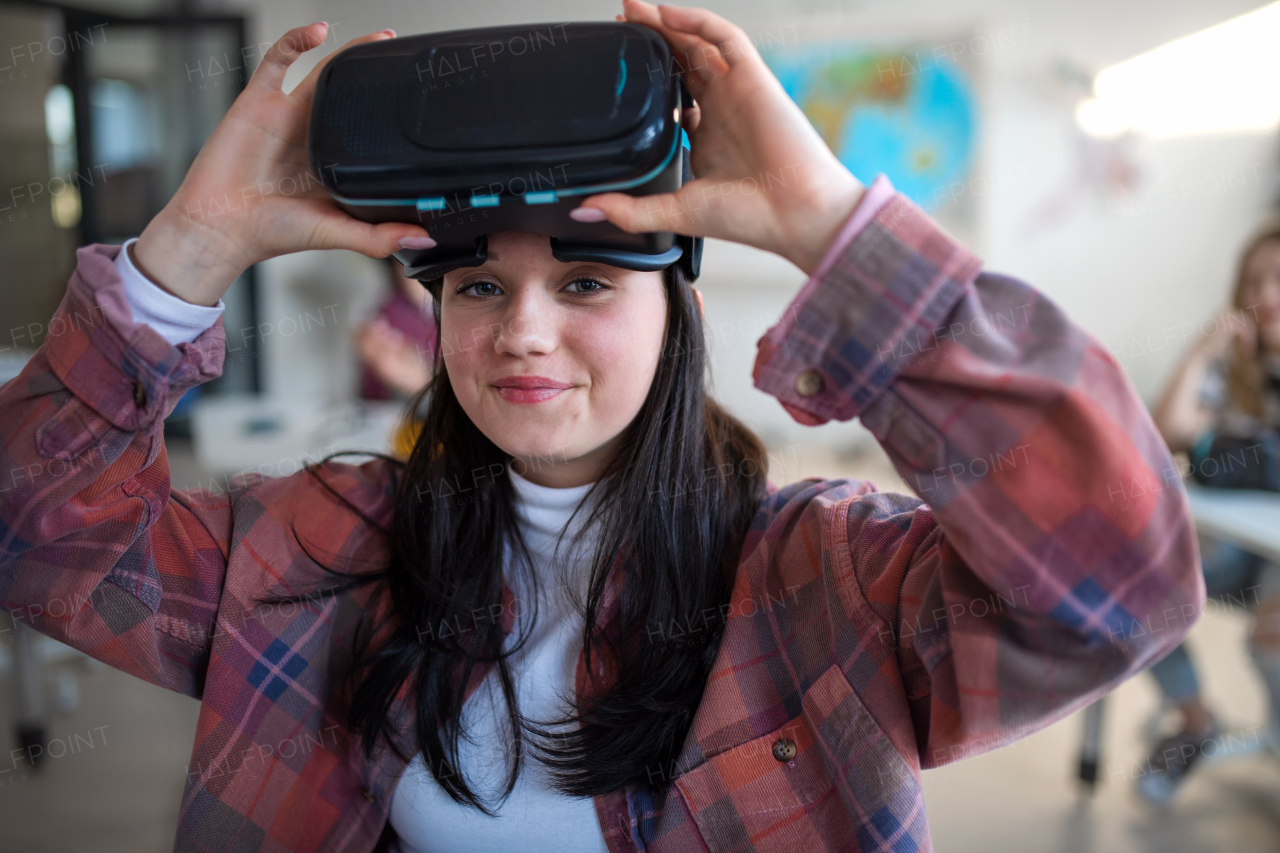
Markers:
<point>527,245</point>
<point>510,252</point>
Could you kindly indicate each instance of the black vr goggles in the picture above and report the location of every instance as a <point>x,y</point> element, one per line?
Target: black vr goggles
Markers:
<point>472,132</point>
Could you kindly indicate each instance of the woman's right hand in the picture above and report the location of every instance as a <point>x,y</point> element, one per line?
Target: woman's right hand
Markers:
<point>251,193</point>
<point>1179,414</point>
<point>1237,329</point>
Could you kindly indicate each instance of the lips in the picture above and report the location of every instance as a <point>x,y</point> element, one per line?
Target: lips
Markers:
<point>530,389</point>
<point>530,382</point>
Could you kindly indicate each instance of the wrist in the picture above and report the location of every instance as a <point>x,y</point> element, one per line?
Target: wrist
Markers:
<point>184,260</point>
<point>822,220</point>
<point>1207,350</point>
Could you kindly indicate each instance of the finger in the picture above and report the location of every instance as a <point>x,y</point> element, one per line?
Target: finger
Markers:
<point>276,61</point>
<point>306,89</point>
<point>732,42</point>
<point>337,230</point>
<point>699,60</point>
<point>639,214</point>
<point>691,119</point>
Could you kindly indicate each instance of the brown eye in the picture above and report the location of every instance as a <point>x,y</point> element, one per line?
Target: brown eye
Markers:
<point>599,287</point>
<point>466,287</point>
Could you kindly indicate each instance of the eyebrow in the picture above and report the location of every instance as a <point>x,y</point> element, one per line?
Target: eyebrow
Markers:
<point>491,255</point>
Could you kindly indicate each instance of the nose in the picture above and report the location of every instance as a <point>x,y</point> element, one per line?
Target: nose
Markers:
<point>528,326</point>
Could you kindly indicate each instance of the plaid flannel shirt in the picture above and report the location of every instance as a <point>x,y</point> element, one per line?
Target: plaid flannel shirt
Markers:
<point>870,634</point>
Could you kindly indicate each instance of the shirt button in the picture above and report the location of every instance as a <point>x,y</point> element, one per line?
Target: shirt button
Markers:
<point>809,383</point>
<point>139,394</point>
<point>784,749</point>
<point>367,793</point>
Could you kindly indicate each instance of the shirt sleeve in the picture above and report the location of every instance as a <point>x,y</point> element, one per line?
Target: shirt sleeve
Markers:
<point>97,550</point>
<point>1048,552</point>
<point>872,201</point>
<point>177,321</point>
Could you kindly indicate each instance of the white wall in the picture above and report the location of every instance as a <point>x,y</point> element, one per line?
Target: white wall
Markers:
<point>1128,271</point>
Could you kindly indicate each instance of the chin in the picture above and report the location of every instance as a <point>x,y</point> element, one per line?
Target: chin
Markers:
<point>536,449</point>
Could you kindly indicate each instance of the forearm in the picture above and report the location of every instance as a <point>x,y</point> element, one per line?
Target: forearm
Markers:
<point>1179,415</point>
<point>824,222</point>
<point>187,260</point>
<point>177,320</point>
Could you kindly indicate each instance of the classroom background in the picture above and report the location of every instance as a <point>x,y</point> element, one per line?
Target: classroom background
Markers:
<point>1114,155</point>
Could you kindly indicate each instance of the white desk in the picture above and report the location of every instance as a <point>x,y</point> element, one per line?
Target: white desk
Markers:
<point>1250,519</point>
<point>237,433</point>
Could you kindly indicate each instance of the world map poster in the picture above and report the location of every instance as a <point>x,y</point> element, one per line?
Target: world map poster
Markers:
<point>909,111</point>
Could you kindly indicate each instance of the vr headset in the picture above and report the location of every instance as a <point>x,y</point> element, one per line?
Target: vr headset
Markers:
<point>472,132</point>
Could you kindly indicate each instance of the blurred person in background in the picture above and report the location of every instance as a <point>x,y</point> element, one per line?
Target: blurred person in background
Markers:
<point>395,348</point>
<point>1227,390</point>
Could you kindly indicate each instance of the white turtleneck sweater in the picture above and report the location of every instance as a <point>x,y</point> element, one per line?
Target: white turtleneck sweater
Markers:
<point>534,817</point>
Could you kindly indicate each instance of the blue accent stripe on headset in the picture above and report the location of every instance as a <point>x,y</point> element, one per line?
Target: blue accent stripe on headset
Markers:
<point>625,185</point>
<point>622,81</point>
<point>439,202</point>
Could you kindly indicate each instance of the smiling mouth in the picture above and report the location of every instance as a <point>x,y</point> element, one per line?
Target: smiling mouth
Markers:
<point>516,394</point>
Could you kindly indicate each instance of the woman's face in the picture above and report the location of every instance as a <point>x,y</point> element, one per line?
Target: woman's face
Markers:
<point>585,338</point>
<point>1260,296</point>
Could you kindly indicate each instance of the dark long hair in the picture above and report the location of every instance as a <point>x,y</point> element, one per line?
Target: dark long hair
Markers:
<point>673,504</point>
<point>1246,376</point>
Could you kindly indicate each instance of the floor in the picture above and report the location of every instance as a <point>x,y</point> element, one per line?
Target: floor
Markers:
<point>114,780</point>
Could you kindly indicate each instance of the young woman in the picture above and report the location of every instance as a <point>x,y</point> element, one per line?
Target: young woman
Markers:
<point>1228,384</point>
<point>581,591</point>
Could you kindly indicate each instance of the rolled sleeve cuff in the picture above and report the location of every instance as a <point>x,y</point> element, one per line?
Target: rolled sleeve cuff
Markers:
<point>177,320</point>
<point>882,291</point>
<point>123,369</point>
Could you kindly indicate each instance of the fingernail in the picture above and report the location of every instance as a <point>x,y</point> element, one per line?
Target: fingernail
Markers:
<point>389,30</point>
<point>416,243</point>
<point>588,214</point>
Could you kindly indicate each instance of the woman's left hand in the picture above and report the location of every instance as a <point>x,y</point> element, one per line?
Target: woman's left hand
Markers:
<point>764,176</point>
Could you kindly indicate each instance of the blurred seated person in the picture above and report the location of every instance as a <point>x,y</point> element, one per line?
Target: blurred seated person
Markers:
<point>1228,385</point>
<point>395,347</point>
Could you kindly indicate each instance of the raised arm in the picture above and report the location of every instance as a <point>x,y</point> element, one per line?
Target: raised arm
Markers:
<point>1054,555</point>
<point>95,547</point>
<point>1180,414</point>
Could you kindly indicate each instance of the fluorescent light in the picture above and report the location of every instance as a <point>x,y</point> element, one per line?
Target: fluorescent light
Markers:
<point>1221,80</point>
